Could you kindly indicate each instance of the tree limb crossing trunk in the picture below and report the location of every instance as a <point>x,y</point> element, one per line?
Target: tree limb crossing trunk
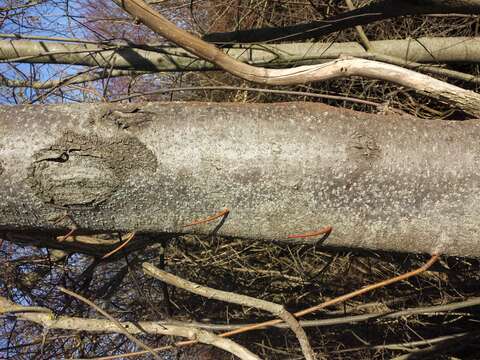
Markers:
<point>382,182</point>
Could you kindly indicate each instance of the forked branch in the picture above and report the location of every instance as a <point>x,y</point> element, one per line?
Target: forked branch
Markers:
<point>275,309</point>
<point>466,100</point>
<point>315,308</point>
<point>44,317</point>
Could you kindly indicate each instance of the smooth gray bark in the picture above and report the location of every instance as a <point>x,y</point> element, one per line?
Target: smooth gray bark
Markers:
<point>382,182</point>
<point>424,49</point>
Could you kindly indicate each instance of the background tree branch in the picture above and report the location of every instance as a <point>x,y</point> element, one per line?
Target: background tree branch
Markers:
<point>376,11</point>
<point>466,100</point>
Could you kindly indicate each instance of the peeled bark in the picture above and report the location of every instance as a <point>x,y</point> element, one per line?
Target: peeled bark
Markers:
<point>383,182</point>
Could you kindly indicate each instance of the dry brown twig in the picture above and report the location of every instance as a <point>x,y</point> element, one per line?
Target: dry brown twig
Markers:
<point>125,242</point>
<point>220,214</point>
<point>322,231</point>
<point>72,227</point>
<point>343,298</point>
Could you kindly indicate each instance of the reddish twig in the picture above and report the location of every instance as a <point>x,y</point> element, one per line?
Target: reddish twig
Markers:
<point>73,228</point>
<point>342,298</point>
<point>222,213</point>
<point>129,237</point>
<point>310,310</point>
<point>322,231</point>
<point>65,237</point>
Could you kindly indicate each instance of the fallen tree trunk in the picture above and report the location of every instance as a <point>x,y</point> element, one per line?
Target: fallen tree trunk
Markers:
<point>383,182</point>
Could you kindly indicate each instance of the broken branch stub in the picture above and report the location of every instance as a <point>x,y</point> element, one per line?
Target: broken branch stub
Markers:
<point>382,182</point>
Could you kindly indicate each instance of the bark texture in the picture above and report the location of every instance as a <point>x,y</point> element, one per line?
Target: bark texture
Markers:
<point>382,182</point>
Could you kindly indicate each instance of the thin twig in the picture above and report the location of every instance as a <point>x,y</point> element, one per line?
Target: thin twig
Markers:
<point>251,89</point>
<point>122,329</point>
<point>324,230</point>
<point>415,344</point>
<point>275,309</point>
<point>325,304</point>
<point>342,298</point>
<point>67,235</point>
<point>73,227</point>
<point>437,309</point>
<point>129,237</point>
<point>222,213</point>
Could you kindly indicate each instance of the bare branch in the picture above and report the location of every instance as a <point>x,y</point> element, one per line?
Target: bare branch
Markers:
<point>170,58</point>
<point>47,320</point>
<point>342,298</point>
<point>275,309</point>
<point>80,78</point>
<point>120,327</point>
<point>352,319</point>
<point>466,100</point>
<point>325,304</point>
<point>242,88</point>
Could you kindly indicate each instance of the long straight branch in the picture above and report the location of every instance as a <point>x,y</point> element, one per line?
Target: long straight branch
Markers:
<point>424,310</point>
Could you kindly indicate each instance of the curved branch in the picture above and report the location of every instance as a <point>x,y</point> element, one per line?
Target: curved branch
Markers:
<point>466,100</point>
<point>119,326</point>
